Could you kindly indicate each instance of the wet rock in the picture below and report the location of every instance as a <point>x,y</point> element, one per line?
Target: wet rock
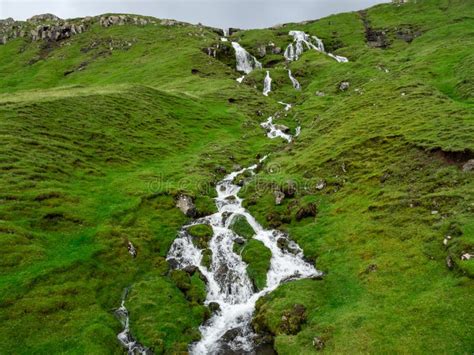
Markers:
<point>344,86</point>
<point>214,307</point>
<point>319,277</point>
<point>293,319</point>
<point>186,205</point>
<point>239,240</point>
<point>190,269</point>
<point>173,263</point>
<point>230,335</point>
<point>310,210</point>
<point>279,197</point>
<point>468,166</point>
<point>282,128</point>
<point>285,244</point>
<point>318,343</point>
<point>282,243</point>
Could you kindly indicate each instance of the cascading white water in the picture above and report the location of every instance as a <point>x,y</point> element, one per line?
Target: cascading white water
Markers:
<point>267,84</point>
<point>273,131</point>
<point>295,82</point>
<point>302,40</point>
<point>228,283</point>
<point>287,106</point>
<point>125,337</point>
<point>239,80</point>
<point>245,61</point>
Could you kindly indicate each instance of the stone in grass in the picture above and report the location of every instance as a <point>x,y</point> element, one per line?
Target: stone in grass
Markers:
<point>293,319</point>
<point>318,343</point>
<point>241,227</point>
<point>201,235</point>
<point>344,86</point>
<point>186,205</point>
<point>469,166</point>
<point>279,197</point>
<point>309,210</point>
<point>289,188</point>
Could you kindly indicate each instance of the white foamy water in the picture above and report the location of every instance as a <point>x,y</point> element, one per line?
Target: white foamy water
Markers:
<point>228,283</point>
<point>267,84</point>
<point>245,61</point>
<point>302,42</point>
<point>273,131</point>
<point>125,337</point>
<point>295,82</point>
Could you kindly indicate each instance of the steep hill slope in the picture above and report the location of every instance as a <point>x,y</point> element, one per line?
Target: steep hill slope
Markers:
<point>103,130</point>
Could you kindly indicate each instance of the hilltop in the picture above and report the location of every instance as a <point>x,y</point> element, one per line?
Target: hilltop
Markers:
<point>107,121</point>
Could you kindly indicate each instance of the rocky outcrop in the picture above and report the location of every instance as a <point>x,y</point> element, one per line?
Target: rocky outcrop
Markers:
<point>51,28</point>
<point>43,18</point>
<point>120,20</point>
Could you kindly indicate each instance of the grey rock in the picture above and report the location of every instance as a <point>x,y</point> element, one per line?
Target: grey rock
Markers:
<point>261,51</point>
<point>343,86</point>
<point>239,240</point>
<point>214,307</point>
<point>449,262</point>
<point>43,18</point>
<point>468,166</point>
<point>276,50</point>
<point>318,343</point>
<point>282,128</point>
<point>186,205</point>
<point>279,197</point>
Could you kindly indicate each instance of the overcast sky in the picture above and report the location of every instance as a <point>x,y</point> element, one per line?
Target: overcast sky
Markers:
<point>218,13</point>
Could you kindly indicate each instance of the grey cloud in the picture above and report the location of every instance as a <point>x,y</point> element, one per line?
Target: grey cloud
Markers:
<point>219,13</point>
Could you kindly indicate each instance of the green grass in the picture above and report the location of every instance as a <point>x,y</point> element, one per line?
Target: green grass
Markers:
<point>94,159</point>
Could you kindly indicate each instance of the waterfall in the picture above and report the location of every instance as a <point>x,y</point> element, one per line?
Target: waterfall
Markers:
<point>295,82</point>
<point>301,40</point>
<point>267,84</point>
<point>245,61</point>
<point>275,131</point>
<point>125,337</point>
<point>290,52</point>
<point>227,281</point>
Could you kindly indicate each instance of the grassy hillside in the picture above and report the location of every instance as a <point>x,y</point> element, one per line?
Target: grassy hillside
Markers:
<point>102,131</point>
